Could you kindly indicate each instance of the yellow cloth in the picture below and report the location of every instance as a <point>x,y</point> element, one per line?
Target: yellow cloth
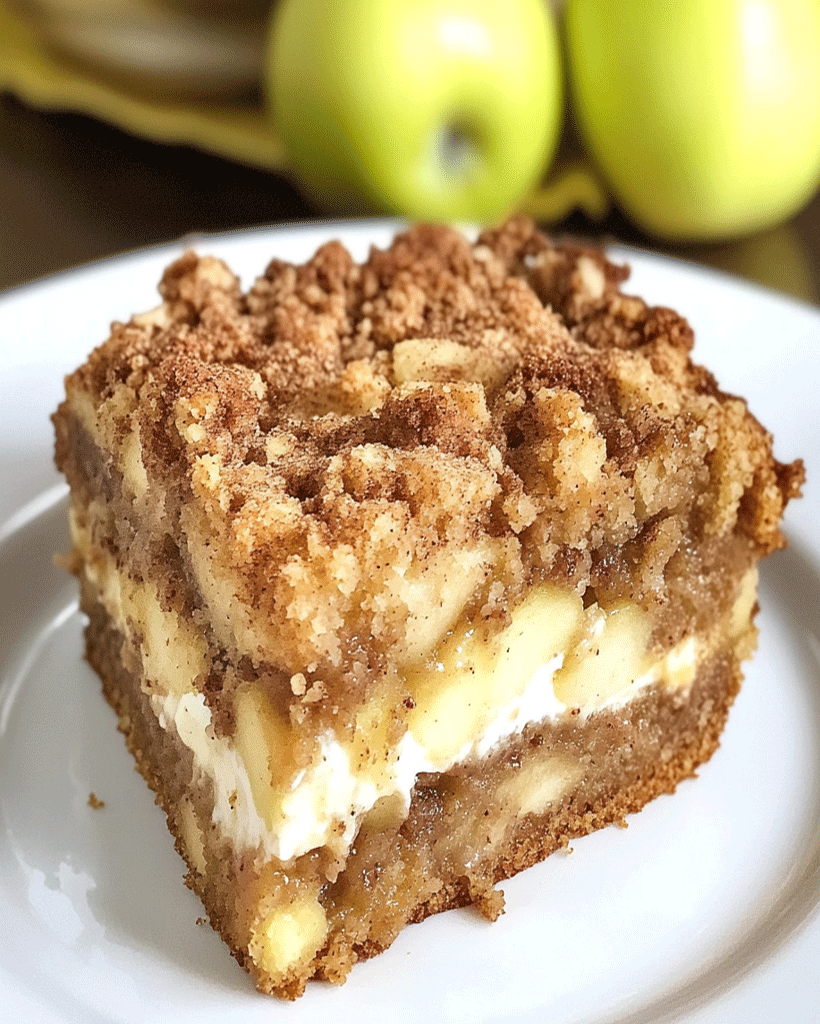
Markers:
<point>41,78</point>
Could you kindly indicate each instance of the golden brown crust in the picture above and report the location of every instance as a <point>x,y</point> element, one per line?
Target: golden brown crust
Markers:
<point>287,502</point>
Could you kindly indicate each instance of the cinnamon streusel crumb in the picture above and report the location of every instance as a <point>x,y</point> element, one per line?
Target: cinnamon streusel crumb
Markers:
<point>351,433</point>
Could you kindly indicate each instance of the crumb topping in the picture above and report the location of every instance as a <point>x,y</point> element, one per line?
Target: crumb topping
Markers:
<point>359,453</point>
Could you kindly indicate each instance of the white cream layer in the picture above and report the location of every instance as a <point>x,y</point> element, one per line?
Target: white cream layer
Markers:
<point>330,793</point>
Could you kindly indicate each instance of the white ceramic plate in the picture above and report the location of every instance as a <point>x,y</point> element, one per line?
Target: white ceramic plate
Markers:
<point>704,910</point>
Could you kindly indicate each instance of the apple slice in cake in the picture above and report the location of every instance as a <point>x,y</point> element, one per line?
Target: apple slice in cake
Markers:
<point>402,574</point>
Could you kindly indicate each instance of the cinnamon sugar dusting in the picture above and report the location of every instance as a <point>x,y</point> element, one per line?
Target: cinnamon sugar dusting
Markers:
<point>352,456</point>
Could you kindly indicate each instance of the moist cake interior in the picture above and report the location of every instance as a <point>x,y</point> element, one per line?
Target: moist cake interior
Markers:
<point>402,574</point>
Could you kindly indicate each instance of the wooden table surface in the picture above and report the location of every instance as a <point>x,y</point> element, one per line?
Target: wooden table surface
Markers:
<point>74,190</point>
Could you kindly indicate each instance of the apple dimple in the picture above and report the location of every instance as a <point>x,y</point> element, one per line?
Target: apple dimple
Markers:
<point>457,148</point>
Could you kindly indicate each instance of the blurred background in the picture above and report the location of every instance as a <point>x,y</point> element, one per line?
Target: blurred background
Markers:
<point>125,123</point>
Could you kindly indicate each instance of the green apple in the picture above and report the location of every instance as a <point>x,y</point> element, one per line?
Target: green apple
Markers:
<point>703,116</point>
<point>445,109</point>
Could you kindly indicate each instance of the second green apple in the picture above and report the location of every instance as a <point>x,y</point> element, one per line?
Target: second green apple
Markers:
<point>703,116</point>
<point>440,109</point>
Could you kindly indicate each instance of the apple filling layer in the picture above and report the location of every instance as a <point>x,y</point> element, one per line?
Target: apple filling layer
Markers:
<point>556,658</point>
<point>402,574</point>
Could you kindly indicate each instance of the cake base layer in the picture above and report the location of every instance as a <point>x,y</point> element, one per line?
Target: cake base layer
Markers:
<point>467,829</point>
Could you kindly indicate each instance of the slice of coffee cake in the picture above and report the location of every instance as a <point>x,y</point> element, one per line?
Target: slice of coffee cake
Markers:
<point>401,575</point>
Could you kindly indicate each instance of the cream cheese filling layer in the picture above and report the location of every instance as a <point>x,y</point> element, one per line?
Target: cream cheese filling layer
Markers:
<point>556,657</point>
